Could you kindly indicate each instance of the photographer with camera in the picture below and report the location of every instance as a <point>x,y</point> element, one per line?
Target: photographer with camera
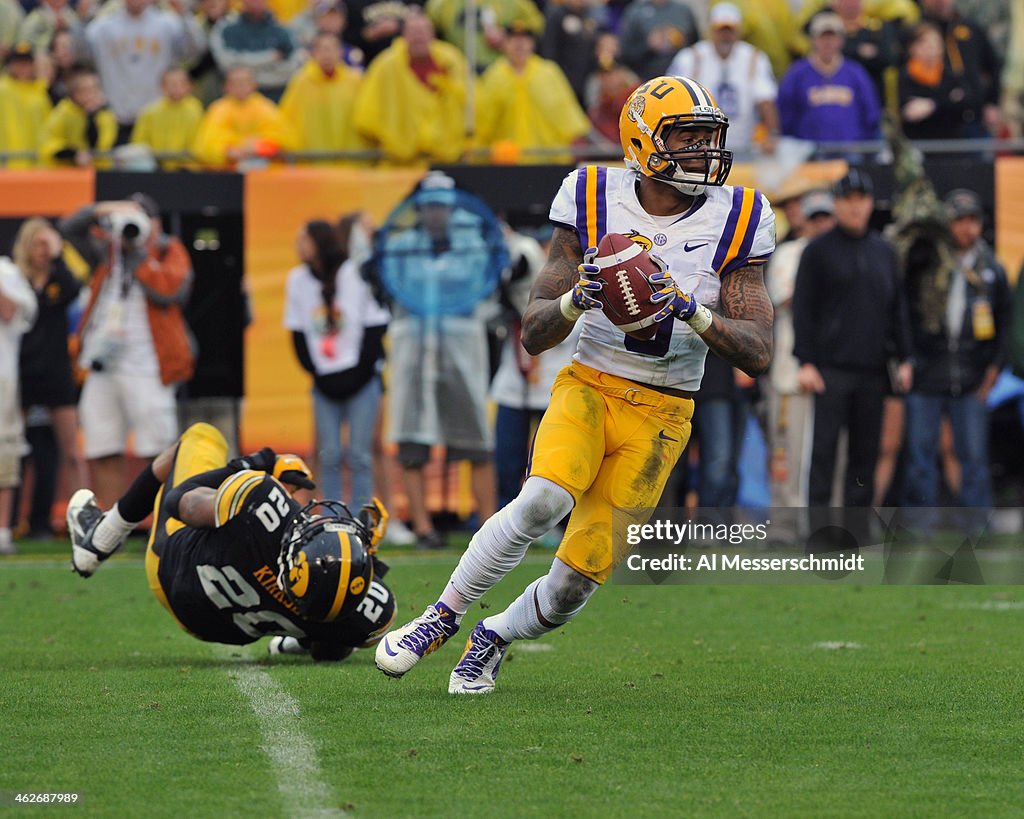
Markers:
<point>134,346</point>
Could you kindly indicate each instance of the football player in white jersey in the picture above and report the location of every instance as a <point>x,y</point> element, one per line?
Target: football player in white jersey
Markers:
<point>619,416</point>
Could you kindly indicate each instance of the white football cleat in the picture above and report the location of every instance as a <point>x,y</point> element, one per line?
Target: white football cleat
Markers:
<point>480,663</point>
<point>84,515</point>
<point>402,648</point>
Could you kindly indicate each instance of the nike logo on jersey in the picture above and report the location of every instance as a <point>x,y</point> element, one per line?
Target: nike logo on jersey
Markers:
<point>689,248</point>
<point>387,648</point>
<point>665,437</point>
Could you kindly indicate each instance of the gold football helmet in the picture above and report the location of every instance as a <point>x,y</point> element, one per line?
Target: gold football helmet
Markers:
<point>658,107</point>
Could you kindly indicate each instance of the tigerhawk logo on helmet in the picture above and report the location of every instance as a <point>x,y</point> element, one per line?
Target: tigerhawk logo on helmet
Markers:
<point>325,565</point>
<point>657,108</point>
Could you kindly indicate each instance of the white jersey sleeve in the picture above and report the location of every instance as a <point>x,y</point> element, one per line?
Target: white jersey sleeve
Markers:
<point>564,206</point>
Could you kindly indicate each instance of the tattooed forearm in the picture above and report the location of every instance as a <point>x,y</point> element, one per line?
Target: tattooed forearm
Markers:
<point>742,332</point>
<point>544,326</point>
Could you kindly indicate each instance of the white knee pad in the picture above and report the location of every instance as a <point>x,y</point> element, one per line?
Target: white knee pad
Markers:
<point>562,593</point>
<point>538,508</point>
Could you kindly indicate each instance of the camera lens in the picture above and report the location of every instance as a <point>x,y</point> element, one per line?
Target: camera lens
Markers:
<point>131,231</point>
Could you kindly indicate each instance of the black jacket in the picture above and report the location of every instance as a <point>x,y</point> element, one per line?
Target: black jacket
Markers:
<point>956,366</point>
<point>849,311</point>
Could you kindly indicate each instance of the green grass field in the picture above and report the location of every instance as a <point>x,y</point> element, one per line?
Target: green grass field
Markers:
<point>683,701</point>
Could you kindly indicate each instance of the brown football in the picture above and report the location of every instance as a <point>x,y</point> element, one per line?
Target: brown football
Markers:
<point>626,295</point>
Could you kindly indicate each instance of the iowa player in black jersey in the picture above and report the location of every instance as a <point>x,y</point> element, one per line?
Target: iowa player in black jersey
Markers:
<point>234,557</point>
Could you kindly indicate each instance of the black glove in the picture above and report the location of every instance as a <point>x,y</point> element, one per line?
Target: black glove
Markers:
<point>262,461</point>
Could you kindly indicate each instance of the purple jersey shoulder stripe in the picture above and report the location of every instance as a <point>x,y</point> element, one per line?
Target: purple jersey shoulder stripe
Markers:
<point>602,202</point>
<point>730,228</point>
<point>748,239</point>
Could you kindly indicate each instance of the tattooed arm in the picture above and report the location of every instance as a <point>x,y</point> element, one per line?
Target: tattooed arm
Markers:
<point>544,325</point>
<point>742,332</point>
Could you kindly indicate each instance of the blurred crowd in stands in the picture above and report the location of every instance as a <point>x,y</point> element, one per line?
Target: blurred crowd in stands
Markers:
<point>229,83</point>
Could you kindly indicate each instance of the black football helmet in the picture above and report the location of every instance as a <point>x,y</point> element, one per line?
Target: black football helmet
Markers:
<point>324,568</point>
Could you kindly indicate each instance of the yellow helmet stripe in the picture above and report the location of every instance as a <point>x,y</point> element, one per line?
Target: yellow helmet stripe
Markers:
<point>346,569</point>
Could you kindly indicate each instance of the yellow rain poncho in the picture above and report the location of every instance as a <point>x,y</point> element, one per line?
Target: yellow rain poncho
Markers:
<point>534,109</point>
<point>169,126</point>
<point>230,123</point>
<point>24,107</point>
<point>411,122</point>
<point>65,130</point>
<point>320,108</point>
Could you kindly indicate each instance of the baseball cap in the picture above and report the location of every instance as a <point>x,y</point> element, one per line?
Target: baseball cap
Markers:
<point>726,15</point>
<point>855,181</point>
<point>817,202</point>
<point>520,27</point>
<point>437,188</point>
<point>20,51</point>
<point>826,22</point>
<point>962,202</point>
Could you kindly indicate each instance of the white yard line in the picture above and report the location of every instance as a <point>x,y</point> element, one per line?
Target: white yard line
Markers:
<point>293,757</point>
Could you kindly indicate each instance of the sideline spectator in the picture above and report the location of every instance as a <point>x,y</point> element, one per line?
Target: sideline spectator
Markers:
<point>790,410</point>
<point>319,100</point>
<point>935,103</point>
<point>522,385</point>
<point>825,97</point>
<point>494,17</point>
<point>134,343</point>
<point>850,275</point>
<point>652,33</point>
<point>960,320</point>
<point>571,31</point>
<point>80,125</point>
<point>739,77</point>
<point>254,38</point>
<point>437,392</point>
<point>338,331</point>
<point>47,384</point>
<point>171,123</point>
<point>411,102</point>
<point>526,100</point>
<point>132,47</point>
<point>243,126</point>
<point>17,312</point>
<point>24,106</point>
<point>972,59</point>
<point>721,410</point>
